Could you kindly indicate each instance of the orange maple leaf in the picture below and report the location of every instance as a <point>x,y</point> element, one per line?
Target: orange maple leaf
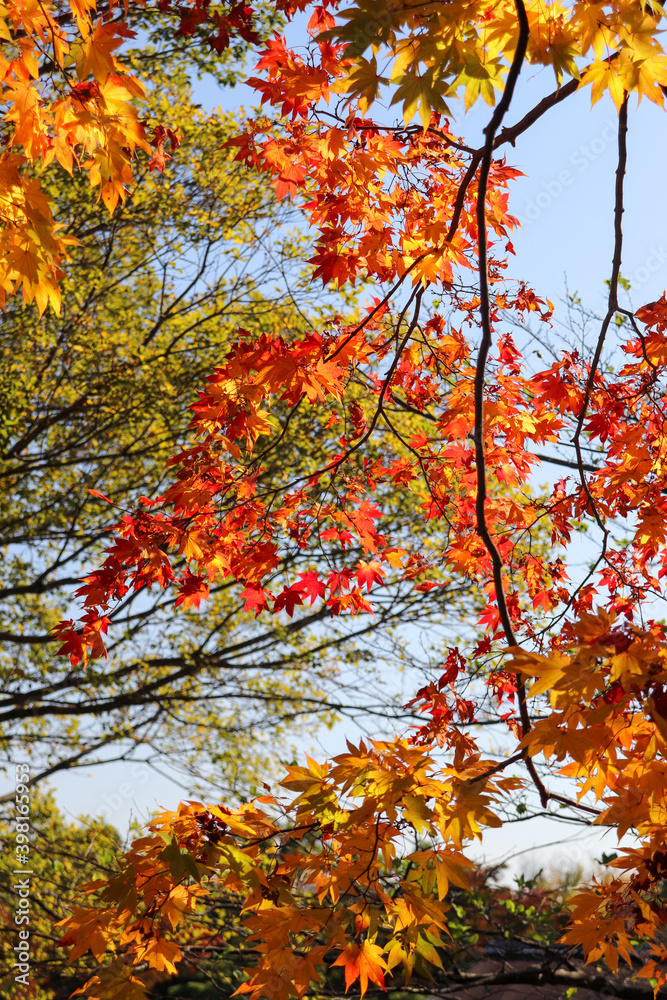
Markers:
<point>363,962</point>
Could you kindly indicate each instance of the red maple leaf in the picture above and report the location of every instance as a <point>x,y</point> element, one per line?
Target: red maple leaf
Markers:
<point>369,573</point>
<point>288,600</point>
<point>255,599</point>
<point>74,644</point>
<point>311,586</point>
<point>192,589</point>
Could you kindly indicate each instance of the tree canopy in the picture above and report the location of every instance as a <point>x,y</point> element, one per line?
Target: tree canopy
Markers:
<point>94,401</point>
<point>73,101</point>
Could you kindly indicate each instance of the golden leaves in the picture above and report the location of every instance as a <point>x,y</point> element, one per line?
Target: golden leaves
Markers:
<point>87,930</point>
<point>363,962</point>
<point>332,836</point>
<point>437,868</point>
<point>95,52</point>
<point>363,83</point>
<point>547,670</point>
<point>116,982</point>
<point>91,126</point>
<point>32,245</point>
<point>160,955</point>
<point>419,92</point>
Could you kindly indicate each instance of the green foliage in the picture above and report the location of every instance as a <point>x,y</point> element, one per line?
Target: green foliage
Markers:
<point>64,856</point>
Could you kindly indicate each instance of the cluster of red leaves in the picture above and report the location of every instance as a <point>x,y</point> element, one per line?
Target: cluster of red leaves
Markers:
<point>444,706</point>
<point>220,26</point>
<point>158,139</point>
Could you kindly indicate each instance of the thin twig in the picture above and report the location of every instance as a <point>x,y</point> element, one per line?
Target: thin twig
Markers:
<point>612,309</point>
<point>480,373</point>
<point>497,767</point>
<point>485,318</point>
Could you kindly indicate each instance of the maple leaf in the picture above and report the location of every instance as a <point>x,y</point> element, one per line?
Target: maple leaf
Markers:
<point>158,160</point>
<point>273,982</point>
<point>86,91</point>
<point>115,982</point>
<point>74,644</point>
<point>101,496</point>
<point>180,862</point>
<point>160,954</point>
<point>419,92</point>
<point>542,599</point>
<point>87,930</point>
<point>256,599</point>
<point>490,617</point>
<point>363,83</point>
<point>311,586</point>
<point>288,600</point>
<point>363,962</point>
<point>369,573</point>
<point>191,591</point>
<point>96,52</point>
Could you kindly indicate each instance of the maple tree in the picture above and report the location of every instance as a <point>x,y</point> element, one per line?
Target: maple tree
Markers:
<point>69,853</point>
<point>163,284</point>
<point>431,397</point>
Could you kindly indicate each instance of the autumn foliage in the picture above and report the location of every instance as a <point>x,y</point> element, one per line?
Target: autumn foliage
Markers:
<point>70,99</point>
<point>426,390</point>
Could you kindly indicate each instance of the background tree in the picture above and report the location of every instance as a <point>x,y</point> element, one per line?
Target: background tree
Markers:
<point>66,854</point>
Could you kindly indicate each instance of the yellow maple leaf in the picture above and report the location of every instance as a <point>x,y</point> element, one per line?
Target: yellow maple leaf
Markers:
<point>160,955</point>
